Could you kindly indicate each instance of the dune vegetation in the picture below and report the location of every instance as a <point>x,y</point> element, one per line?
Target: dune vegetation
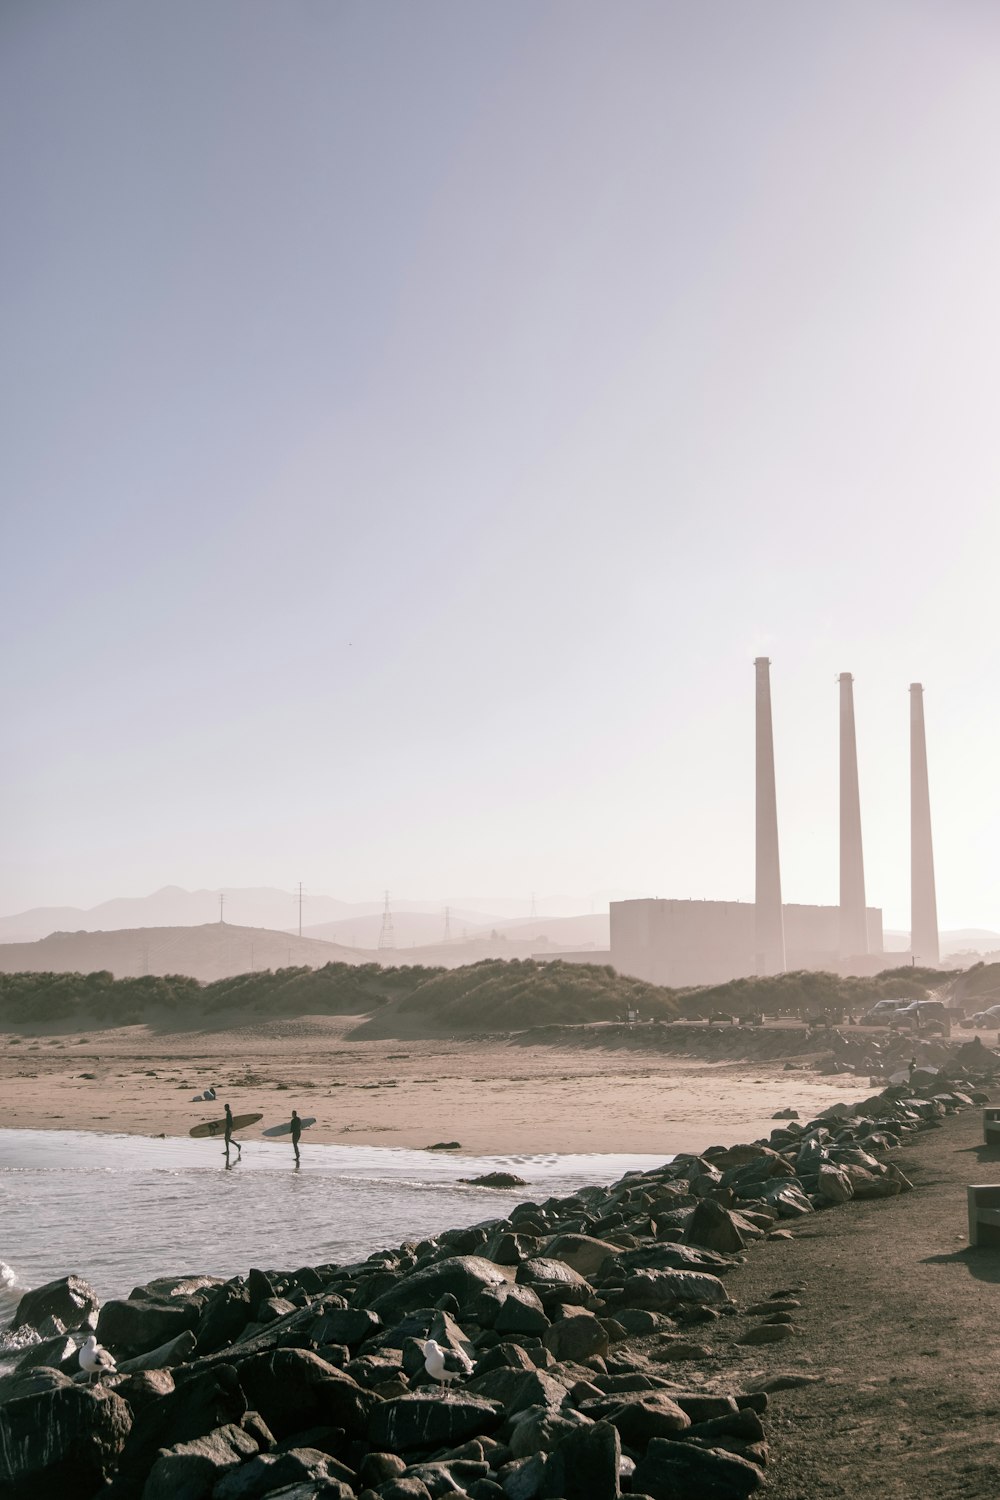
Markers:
<point>490,996</point>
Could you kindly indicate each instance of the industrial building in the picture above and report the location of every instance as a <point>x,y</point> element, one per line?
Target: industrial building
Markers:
<point>681,943</point>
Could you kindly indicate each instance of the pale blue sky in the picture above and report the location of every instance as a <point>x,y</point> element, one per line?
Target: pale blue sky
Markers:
<point>416,417</point>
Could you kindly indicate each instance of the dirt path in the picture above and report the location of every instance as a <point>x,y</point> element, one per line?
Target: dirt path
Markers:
<point>900,1320</point>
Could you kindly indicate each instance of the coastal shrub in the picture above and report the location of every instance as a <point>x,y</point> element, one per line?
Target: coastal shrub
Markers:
<point>805,992</point>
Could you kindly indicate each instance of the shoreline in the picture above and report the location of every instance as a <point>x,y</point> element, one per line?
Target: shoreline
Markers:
<point>494,1096</point>
<point>621,1343</point>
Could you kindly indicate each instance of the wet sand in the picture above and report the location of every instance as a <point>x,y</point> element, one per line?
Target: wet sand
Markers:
<point>487,1095</point>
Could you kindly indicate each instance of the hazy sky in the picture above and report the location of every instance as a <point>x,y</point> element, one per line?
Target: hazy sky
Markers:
<point>416,417</point>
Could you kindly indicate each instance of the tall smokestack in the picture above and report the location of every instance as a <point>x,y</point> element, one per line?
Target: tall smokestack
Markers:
<point>853,918</point>
<point>924,942</point>
<point>769,923</point>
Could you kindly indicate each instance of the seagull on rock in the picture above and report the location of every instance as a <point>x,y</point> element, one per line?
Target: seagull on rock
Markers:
<point>445,1365</point>
<point>95,1360</point>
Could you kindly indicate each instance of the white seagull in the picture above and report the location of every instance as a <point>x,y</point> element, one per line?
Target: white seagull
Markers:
<point>445,1365</point>
<point>95,1360</point>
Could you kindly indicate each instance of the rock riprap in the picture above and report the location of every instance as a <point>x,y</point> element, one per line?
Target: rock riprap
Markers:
<point>574,1315</point>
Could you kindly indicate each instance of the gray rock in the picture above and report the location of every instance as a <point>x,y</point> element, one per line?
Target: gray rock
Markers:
<point>344,1325</point>
<point>538,1429</point>
<point>207,1400</point>
<point>521,1312</point>
<point>548,1273</point>
<point>294,1389</point>
<point>190,1471</point>
<point>580,1252</point>
<point>833,1185</point>
<point>143,1387</point>
<point>713,1227</point>
<point>576,1335</point>
<point>660,1291</point>
<point>431,1419</point>
<point>227,1313</point>
<point>60,1444</point>
<point>464,1276</point>
<point>141,1325</point>
<point>652,1414</point>
<point>767,1333</point>
<point>376,1468</point>
<point>670,1469</point>
<point>70,1299</point>
<point>405,1488</point>
<point>163,1358</point>
<point>269,1471</point>
<point>522,1478</point>
<point>585,1465</point>
<point>516,1389</point>
<point>50,1352</point>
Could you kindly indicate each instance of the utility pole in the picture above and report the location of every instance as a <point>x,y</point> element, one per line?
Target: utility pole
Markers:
<point>447,924</point>
<point>387,933</point>
<point>222,902</point>
<point>300,908</point>
<point>534,907</point>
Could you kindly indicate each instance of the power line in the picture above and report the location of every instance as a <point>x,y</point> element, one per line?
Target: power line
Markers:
<point>387,934</point>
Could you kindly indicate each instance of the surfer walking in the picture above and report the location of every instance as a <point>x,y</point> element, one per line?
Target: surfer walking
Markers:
<point>229,1132</point>
<point>296,1128</point>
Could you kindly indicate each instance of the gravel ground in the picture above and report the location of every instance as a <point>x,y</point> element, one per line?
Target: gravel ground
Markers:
<point>899,1321</point>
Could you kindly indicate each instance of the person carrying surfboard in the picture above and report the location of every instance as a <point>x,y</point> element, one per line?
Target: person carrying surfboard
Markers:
<point>229,1133</point>
<point>296,1129</point>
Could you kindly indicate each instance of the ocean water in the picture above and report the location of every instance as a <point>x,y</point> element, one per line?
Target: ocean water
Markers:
<point>120,1210</point>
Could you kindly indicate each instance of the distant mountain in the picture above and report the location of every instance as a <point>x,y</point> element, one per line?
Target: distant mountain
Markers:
<point>263,906</point>
<point>215,950</point>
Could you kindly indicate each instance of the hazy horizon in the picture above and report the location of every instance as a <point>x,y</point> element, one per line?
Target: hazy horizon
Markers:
<point>416,419</point>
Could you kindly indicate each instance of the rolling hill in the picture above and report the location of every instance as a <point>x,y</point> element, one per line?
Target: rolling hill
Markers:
<point>215,950</point>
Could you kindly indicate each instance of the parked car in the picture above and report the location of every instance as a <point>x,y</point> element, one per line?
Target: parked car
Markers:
<point>882,1010</point>
<point>926,1010</point>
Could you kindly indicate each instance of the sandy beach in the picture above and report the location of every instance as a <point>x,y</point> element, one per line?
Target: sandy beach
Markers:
<point>489,1096</point>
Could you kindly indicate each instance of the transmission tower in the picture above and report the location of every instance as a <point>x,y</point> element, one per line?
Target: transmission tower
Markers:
<point>534,907</point>
<point>387,935</point>
<point>447,924</point>
<point>300,908</point>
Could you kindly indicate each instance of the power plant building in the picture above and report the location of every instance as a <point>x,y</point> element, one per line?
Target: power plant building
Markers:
<point>680,943</point>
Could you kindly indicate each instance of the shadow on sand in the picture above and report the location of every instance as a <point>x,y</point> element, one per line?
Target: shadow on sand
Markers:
<point>983,1262</point>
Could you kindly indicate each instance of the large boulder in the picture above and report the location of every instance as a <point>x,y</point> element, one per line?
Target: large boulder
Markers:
<point>61,1444</point>
<point>272,1471</point>
<point>228,1312</point>
<point>834,1185</point>
<point>662,1290</point>
<point>164,1357</point>
<point>190,1471</point>
<point>649,1414</point>
<point>70,1299</point>
<point>431,1419</point>
<point>713,1227</point>
<point>144,1324</point>
<point>293,1389</point>
<point>585,1465</point>
<point>521,1312</point>
<point>670,1469</point>
<point>464,1276</point>
<point>576,1335</point>
<point>203,1401</point>
<point>580,1252</point>
<point>516,1389</point>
